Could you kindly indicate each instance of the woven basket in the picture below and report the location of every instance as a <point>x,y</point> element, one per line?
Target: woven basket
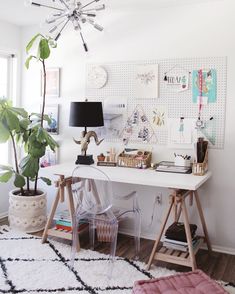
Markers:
<point>135,161</point>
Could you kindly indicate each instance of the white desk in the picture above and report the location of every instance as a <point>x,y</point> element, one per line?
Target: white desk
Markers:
<point>182,186</point>
<point>138,176</point>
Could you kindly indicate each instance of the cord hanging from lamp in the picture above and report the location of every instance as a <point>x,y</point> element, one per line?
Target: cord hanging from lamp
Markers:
<point>70,11</point>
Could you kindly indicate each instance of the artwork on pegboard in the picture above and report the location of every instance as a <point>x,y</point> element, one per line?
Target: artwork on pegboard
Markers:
<point>208,131</point>
<point>137,128</point>
<point>114,112</point>
<point>146,81</point>
<point>178,78</point>
<point>159,116</point>
<point>181,132</point>
<point>204,86</point>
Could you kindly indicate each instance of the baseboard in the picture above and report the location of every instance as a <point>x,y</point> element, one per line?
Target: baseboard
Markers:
<point>3,215</point>
<point>148,236</point>
<point>221,249</point>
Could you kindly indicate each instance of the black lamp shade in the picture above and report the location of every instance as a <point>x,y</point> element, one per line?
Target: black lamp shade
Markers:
<point>86,114</point>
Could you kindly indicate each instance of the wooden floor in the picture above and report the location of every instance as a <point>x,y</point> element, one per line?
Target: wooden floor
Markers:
<point>218,266</point>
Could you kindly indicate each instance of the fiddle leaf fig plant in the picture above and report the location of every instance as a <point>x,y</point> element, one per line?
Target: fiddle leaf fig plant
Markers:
<point>27,130</point>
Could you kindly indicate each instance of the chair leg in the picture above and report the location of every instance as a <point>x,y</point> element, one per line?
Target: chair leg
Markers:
<point>75,239</point>
<point>137,216</point>
<point>92,234</point>
<point>113,248</point>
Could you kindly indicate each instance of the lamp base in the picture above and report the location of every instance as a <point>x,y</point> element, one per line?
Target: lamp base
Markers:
<point>84,159</point>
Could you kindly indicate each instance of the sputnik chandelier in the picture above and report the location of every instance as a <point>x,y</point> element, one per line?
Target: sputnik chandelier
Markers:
<point>70,11</point>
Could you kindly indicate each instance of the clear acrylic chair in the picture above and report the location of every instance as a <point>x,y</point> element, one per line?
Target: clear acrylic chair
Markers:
<point>93,195</point>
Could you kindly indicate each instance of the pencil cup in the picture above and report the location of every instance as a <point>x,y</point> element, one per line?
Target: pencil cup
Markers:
<point>199,169</point>
<point>180,161</point>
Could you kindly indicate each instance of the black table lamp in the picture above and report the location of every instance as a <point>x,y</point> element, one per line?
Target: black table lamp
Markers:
<point>86,114</point>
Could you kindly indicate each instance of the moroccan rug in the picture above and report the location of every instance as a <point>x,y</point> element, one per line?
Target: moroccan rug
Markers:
<point>27,266</point>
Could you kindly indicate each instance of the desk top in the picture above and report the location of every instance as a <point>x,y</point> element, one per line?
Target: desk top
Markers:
<point>138,176</point>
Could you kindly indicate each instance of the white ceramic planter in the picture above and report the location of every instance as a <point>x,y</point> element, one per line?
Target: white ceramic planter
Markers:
<point>27,213</point>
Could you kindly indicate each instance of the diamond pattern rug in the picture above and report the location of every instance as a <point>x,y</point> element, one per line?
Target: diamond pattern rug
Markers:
<point>27,266</point>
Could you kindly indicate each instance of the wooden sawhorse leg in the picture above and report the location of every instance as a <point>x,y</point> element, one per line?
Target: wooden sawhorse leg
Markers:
<point>177,201</point>
<point>203,222</point>
<point>61,184</point>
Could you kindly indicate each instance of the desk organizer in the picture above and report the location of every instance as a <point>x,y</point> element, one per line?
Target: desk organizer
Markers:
<point>199,169</point>
<point>135,161</point>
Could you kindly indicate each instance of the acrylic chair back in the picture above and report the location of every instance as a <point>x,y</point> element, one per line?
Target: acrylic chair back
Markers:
<point>92,190</point>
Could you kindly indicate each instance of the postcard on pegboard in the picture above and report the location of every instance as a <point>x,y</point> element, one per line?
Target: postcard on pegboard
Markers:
<point>159,116</point>
<point>181,132</point>
<point>204,86</point>
<point>146,81</point>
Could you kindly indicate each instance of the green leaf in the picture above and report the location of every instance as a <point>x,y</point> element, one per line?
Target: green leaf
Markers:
<point>30,44</point>
<point>4,178</point>
<point>19,181</point>
<point>51,142</point>
<point>20,111</point>
<point>46,180</point>
<point>17,138</point>
<point>5,167</point>
<point>27,62</point>
<point>41,135</point>
<point>24,123</point>
<point>29,166</point>
<point>34,124</point>
<point>4,133</point>
<point>44,49</point>
<point>12,120</point>
<point>47,118</point>
<point>37,149</point>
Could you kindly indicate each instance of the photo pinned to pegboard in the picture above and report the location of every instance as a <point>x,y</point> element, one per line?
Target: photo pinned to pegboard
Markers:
<point>138,129</point>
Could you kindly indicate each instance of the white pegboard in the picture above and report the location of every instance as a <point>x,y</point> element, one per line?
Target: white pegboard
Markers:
<point>121,84</point>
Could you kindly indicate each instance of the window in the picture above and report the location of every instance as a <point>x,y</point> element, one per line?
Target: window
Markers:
<point>7,90</point>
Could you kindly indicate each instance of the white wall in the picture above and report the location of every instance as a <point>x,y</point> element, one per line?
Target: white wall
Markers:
<point>150,32</point>
<point>10,43</point>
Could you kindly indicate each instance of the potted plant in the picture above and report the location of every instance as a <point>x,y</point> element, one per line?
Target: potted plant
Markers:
<point>27,209</point>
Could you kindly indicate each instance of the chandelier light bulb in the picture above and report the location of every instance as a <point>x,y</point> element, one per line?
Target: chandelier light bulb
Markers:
<point>76,25</point>
<point>57,14</point>
<point>91,21</point>
<point>100,7</point>
<point>98,27</point>
<point>50,19</point>
<point>53,29</point>
<point>28,3</point>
